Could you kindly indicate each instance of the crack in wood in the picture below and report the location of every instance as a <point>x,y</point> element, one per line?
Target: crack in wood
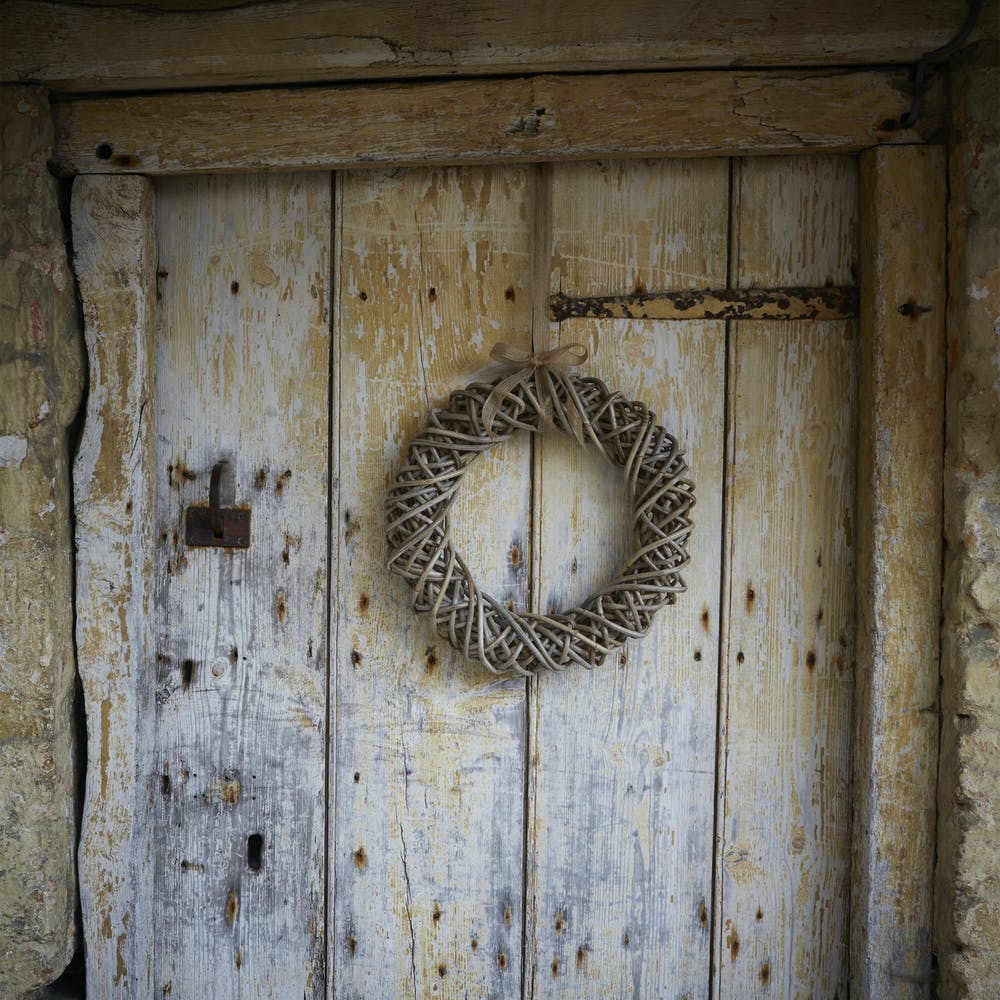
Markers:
<point>409,909</point>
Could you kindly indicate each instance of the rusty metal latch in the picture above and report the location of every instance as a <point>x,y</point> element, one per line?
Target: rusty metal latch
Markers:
<point>215,525</point>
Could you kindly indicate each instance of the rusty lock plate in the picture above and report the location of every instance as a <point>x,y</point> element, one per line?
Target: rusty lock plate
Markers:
<point>215,526</point>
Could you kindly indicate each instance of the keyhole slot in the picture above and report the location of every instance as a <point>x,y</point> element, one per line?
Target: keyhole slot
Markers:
<point>255,852</point>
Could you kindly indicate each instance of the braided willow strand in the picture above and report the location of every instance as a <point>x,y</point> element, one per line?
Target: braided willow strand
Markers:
<point>475,623</point>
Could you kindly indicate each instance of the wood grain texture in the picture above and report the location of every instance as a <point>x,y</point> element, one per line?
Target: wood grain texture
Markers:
<point>622,759</point>
<point>115,266</point>
<point>241,648</point>
<point>147,45</point>
<point>428,763</point>
<point>786,701</point>
<point>899,570</point>
<point>478,121</point>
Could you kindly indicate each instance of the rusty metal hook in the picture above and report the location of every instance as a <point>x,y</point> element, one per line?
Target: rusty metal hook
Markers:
<point>217,526</point>
<point>214,509</point>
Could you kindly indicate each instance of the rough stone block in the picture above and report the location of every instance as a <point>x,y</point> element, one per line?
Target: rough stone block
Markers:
<point>41,373</point>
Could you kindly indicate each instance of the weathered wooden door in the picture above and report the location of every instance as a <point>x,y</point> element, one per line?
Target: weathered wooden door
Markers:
<point>334,802</point>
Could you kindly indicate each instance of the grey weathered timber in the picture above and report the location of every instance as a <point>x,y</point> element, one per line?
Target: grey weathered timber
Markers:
<point>520,119</point>
<point>427,821</point>
<point>901,403</point>
<point>175,44</point>
<point>115,258</point>
<point>622,758</point>
<point>240,671</point>
<point>786,700</point>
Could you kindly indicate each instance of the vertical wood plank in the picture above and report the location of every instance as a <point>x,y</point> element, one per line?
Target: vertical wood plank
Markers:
<point>433,265</point>
<point>900,451</point>
<point>785,806</point>
<point>115,266</point>
<point>622,759</point>
<point>241,671</point>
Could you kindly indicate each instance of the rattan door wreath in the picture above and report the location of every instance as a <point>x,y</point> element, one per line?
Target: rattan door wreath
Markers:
<point>540,394</point>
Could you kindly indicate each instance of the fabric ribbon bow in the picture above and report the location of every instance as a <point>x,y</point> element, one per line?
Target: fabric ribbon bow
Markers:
<point>546,367</point>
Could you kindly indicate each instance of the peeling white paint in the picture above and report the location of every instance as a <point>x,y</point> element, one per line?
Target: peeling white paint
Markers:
<point>43,412</point>
<point>13,450</point>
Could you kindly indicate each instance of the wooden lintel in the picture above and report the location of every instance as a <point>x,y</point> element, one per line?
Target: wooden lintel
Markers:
<point>165,44</point>
<point>827,302</point>
<point>478,121</point>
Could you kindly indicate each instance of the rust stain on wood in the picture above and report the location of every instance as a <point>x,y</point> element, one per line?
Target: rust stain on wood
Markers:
<point>733,942</point>
<point>913,310</point>
<point>229,791</point>
<point>795,303</point>
<point>293,543</point>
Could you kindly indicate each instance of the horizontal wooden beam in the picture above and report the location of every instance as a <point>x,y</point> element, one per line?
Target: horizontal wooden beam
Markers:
<point>476,121</point>
<point>143,45</point>
<point>827,302</point>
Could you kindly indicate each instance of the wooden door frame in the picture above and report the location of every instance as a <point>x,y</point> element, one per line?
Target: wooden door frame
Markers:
<point>121,142</point>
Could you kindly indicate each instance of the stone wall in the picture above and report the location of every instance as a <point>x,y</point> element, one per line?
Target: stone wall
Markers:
<point>41,377</point>
<point>968,883</point>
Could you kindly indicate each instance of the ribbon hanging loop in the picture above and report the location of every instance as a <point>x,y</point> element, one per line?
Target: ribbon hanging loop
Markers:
<point>546,368</point>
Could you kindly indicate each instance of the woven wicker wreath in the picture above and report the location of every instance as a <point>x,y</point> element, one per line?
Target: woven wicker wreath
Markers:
<point>540,394</point>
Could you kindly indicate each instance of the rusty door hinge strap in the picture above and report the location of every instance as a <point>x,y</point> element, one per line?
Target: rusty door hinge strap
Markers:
<point>823,302</point>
